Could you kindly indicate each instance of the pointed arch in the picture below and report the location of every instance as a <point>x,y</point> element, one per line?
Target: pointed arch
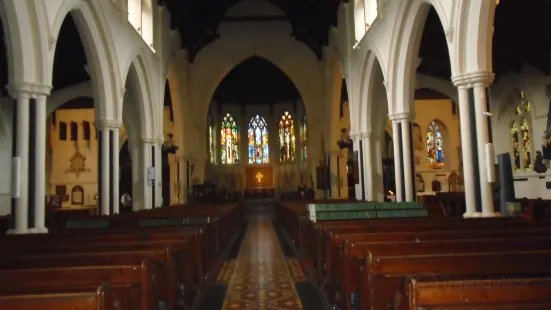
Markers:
<point>229,141</point>
<point>259,152</point>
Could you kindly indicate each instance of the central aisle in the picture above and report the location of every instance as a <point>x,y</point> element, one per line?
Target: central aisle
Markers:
<point>261,279</point>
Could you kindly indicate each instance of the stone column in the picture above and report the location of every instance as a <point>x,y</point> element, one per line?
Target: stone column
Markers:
<point>115,167</point>
<point>40,166</point>
<point>368,166</point>
<point>483,133</point>
<point>398,175</point>
<point>467,151</point>
<point>20,199</point>
<point>359,188</point>
<point>378,186</point>
<point>105,171</point>
<point>159,175</point>
<point>407,151</point>
<point>148,190</point>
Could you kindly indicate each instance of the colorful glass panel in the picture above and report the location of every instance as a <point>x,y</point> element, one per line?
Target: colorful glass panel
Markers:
<point>286,138</point>
<point>435,146</point>
<point>211,143</point>
<point>525,132</point>
<point>514,139</point>
<point>259,152</point>
<point>304,138</point>
<point>229,141</point>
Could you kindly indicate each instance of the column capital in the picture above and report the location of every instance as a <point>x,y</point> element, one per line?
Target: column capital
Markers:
<point>108,124</point>
<point>401,116</point>
<point>32,90</point>
<point>149,140</point>
<point>468,80</point>
<point>365,135</point>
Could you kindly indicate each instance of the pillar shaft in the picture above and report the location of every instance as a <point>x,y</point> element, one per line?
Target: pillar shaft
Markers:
<point>396,141</point>
<point>407,154</point>
<point>22,152</point>
<point>40,167</point>
<point>105,179</point>
<point>368,167</point>
<point>468,169</point>
<point>115,146</point>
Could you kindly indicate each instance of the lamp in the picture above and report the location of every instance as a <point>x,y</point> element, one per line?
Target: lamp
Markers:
<point>345,141</point>
<point>168,146</point>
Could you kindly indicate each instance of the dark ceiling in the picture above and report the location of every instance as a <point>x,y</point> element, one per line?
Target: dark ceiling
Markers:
<point>521,36</point>
<point>198,20</point>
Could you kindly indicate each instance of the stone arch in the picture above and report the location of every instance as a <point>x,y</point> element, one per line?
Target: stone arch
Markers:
<point>20,45</point>
<point>406,48</point>
<point>474,36</point>
<point>136,87</point>
<point>440,85</point>
<point>370,94</point>
<point>177,100</point>
<point>59,97</point>
<point>94,36</point>
<point>291,57</point>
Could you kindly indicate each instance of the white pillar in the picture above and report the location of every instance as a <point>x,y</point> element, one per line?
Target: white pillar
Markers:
<point>146,150</point>
<point>116,169</point>
<point>40,167</point>
<point>482,139</point>
<point>105,180</point>
<point>358,187</point>
<point>467,152</point>
<point>378,186</point>
<point>22,152</point>
<point>368,166</point>
<point>397,162</point>
<point>159,175</point>
<point>407,166</point>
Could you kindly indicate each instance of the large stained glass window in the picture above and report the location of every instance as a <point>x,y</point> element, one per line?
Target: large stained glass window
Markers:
<point>212,153</point>
<point>258,141</point>
<point>229,141</point>
<point>304,138</point>
<point>435,146</point>
<point>521,134</point>
<point>286,138</point>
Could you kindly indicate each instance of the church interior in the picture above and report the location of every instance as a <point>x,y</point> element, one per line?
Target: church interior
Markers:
<point>275,154</point>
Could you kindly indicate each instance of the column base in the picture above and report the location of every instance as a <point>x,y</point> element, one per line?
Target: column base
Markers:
<point>491,214</point>
<point>17,232</point>
<point>472,215</point>
<point>38,230</point>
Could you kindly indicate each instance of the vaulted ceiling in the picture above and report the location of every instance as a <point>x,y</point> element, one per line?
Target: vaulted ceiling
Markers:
<point>198,20</point>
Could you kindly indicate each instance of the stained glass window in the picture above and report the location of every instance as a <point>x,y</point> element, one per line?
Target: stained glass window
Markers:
<point>229,141</point>
<point>520,134</point>
<point>514,139</point>
<point>304,138</point>
<point>286,138</point>
<point>435,146</point>
<point>212,155</point>
<point>258,141</point>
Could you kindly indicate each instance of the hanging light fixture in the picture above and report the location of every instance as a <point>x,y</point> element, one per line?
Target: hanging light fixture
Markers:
<point>168,145</point>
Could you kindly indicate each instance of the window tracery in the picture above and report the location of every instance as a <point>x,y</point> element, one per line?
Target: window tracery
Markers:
<point>521,137</point>
<point>258,141</point>
<point>287,138</point>
<point>229,141</point>
<point>435,146</point>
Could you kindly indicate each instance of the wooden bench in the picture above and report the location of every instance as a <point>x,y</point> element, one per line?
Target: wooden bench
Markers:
<point>133,286</point>
<point>98,299</point>
<point>383,277</point>
<point>520,294</point>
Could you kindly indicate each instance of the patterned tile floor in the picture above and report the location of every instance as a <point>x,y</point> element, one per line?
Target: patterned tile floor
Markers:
<point>261,278</point>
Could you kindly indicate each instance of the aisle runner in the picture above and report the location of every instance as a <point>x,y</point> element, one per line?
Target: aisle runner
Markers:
<point>261,278</point>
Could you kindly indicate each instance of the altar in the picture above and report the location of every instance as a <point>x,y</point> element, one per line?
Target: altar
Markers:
<point>260,182</point>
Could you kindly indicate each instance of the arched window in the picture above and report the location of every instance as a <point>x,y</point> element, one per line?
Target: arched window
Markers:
<point>435,146</point>
<point>286,138</point>
<point>258,141</point>
<point>212,152</point>
<point>304,138</point>
<point>140,15</point>
<point>521,134</point>
<point>229,141</point>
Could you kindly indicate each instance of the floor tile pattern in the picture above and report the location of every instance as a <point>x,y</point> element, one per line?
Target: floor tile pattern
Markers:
<point>226,272</point>
<point>261,278</point>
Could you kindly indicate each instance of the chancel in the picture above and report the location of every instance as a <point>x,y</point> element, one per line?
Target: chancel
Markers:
<point>275,154</point>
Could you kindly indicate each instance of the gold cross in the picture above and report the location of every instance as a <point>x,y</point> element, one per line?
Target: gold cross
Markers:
<point>259,177</point>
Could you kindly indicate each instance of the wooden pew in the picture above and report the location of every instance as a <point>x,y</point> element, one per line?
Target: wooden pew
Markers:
<point>383,277</point>
<point>98,299</point>
<point>518,294</point>
<point>133,286</point>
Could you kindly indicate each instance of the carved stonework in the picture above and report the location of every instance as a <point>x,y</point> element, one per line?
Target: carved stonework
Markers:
<point>78,164</point>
